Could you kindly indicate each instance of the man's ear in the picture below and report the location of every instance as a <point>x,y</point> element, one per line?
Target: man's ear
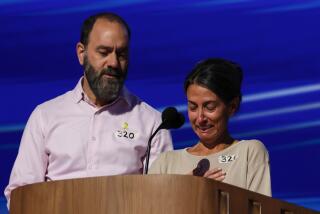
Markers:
<point>80,52</point>
<point>233,106</point>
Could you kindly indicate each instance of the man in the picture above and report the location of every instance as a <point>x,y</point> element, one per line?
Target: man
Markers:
<point>97,129</point>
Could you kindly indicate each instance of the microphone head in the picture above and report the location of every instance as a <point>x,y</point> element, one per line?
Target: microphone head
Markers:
<point>202,167</point>
<point>172,119</point>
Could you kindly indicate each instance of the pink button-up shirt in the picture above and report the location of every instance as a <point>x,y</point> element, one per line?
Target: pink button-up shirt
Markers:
<point>69,137</point>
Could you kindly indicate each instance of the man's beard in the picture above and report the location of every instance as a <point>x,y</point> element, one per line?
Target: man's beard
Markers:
<point>106,90</point>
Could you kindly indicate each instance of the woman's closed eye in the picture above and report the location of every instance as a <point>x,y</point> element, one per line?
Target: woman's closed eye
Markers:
<point>210,106</point>
<point>192,106</point>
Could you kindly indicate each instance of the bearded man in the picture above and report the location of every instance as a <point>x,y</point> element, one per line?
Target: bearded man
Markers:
<point>99,128</point>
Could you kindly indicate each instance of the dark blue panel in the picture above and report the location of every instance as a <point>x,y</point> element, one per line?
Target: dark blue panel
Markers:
<point>276,42</point>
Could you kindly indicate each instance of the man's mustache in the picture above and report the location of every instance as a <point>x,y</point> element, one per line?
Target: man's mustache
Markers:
<point>112,72</point>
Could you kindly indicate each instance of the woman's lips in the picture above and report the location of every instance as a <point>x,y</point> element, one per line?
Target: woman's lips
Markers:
<point>204,128</point>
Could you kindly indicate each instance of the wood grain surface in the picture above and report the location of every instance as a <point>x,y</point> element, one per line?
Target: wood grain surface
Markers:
<point>143,194</point>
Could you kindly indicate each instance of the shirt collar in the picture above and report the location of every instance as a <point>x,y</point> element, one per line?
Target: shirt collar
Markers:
<point>79,95</point>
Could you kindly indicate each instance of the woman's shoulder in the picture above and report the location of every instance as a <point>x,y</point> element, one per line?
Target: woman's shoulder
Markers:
<point>169,155</point>
<point>255,149</point>
<point>164,162</point>
<point>253,144</point>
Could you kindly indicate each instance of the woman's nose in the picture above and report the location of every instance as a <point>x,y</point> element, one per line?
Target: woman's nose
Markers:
<point>201,116</point>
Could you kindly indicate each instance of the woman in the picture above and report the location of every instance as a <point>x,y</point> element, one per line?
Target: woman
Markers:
<point>213,90</point>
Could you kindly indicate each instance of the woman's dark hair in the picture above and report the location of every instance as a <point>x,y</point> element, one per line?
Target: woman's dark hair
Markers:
<point>90,21</point>
<point>220,76</point>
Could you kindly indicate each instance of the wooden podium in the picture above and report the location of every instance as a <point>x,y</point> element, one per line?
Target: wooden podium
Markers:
<point>144,194</point>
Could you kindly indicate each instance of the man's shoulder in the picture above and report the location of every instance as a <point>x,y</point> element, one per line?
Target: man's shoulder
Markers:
<point>142,105</point>
<point>57,102</point>
<point>50,109</point>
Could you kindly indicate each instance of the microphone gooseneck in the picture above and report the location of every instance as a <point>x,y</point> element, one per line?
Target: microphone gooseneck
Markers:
<point>171,119</point>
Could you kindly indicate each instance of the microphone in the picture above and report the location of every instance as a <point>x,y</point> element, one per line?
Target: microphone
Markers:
<point>171,119</point>
<point>202,167</point>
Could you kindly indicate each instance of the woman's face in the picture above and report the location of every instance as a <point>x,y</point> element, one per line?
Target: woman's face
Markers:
<point>208,114</point>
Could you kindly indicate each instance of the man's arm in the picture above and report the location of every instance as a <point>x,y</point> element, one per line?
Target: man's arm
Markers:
<point>31,163</point>
<point>161,143</point>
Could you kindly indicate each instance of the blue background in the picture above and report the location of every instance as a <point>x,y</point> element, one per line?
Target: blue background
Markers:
<point>276,42</point>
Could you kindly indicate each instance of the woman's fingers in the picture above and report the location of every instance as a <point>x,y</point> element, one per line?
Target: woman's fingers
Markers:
<point>216,174</point>
<point>212,172</point>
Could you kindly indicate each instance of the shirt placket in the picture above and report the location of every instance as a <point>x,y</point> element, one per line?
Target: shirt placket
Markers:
<point>92,144</point>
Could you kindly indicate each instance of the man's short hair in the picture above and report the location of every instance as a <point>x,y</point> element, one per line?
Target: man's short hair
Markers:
<point>90,21</point>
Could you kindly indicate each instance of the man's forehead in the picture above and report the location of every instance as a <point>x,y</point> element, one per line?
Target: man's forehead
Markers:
<point>104,23</point>
<point>109,33</point>
<point>110,48</point>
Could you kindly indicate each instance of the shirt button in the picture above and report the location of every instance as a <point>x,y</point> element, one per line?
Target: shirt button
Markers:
<point>93,138</point>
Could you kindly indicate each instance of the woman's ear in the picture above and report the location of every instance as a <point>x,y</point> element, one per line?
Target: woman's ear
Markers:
<point>80,52</point>
<point>233,106</point>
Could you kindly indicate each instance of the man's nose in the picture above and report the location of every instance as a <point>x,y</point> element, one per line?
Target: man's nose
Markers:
<point>113,60</point>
